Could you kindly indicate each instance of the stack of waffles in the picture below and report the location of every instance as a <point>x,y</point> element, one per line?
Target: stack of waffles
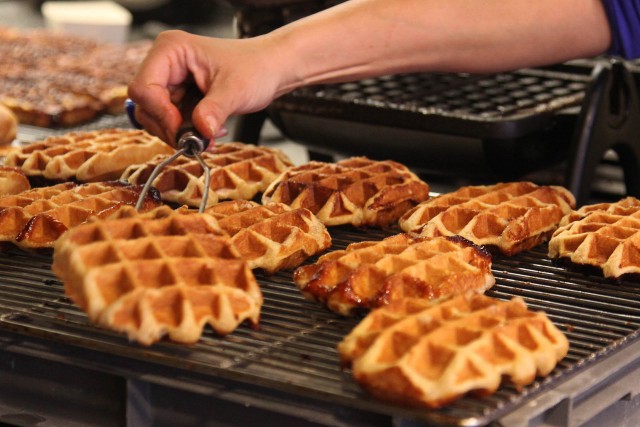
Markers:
<point>161,273</point>
<point>356,191</point>
<point>425,353</point>
<point>90,156</point>
<point>238,171</point>
<point>271,237</point>
<point>509,217</point>
<point>12,181</point>
<point>605,235</point>
<point>52,79</point>
<point>36,218</point>
<point>371,274</point>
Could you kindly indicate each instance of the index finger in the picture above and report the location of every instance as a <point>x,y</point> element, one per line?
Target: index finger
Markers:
<point>153,87</point>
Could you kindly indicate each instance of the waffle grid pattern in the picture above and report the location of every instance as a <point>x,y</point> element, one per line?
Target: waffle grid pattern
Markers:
<point>510,217</point>
<point>356,191</point>
<point>88,156</point>
<point>271,237</point>
<point>370,274</point>
<point>36,218</point>
<point>158,273</point>
<point>238,171</point>
<point>605,235</point>
<point>413,352</point>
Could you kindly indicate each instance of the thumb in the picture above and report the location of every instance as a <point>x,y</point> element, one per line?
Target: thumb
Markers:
<point>209,117</point>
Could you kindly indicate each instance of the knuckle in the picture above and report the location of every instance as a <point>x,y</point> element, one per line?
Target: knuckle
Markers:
<point>134,90</point>
<point>170,36</point>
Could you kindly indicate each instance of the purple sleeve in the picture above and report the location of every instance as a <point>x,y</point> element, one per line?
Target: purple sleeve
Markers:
<point>624,20</point>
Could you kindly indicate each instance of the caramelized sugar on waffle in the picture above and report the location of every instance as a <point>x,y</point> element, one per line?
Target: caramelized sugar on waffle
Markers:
<point>90,156</point>
<point>238,171</point>
<point>35,100</point>
<point>12,181</point>
<point>510,217</point>
<point>161,273</point>
<point>54,79</point>
<point>419,353</point>
<point>371,274</point>
<point>354,191</point>
<point>36,218</point>
<point>271,237</point>
<point>605,235</point>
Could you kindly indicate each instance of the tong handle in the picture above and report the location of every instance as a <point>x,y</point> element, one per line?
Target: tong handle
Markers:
<point>191,141</point>
<point>188,138</point>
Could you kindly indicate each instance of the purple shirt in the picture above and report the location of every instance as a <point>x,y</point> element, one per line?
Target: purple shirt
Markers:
<point>624,20</point>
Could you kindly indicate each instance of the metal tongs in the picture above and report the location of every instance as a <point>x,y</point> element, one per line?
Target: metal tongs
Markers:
<point>190,144</point>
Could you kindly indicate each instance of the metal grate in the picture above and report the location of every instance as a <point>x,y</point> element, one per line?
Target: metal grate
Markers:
<point>294,348</point>
<point>504,105</point>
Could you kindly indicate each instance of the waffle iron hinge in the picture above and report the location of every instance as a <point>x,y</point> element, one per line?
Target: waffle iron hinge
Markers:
<point>609,120</point>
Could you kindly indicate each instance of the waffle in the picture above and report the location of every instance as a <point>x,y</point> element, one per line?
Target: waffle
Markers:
<point>605,235</point>
<point>156,274</point>
<point>238,171</point>
<point>36,218</point>
<point>509,217</point>
<point>91,156</point>
<point>8,127</point>
<point>36,99</point>
<point>272,237</point>
<point>12,181</point>
<point>354,191</point>
<point>416,353</point>
<point>52,79</point>
<point>370,274</point>
<point>108,84</point>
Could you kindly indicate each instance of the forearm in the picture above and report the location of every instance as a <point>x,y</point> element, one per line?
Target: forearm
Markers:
<point>362,38</point>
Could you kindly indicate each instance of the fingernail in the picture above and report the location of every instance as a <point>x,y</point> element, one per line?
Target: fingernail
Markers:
<point>222,132</point>
<point>170,137</point>
<point>212,123</point>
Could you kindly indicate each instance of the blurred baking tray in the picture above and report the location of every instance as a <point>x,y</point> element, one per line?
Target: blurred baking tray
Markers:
<point>290,367</point>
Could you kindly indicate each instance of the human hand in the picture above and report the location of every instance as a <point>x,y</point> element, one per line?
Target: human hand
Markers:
<point>234,76</point>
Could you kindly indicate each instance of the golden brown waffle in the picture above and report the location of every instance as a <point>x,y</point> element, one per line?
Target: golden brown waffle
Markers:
<point>510,217</point>
<point>53,79</point>
<point>155,274</point>
<point>36,218</point>
<point>371,274</point>
<point>91,156</point>
<point>8,128</point>
<point>12,181</point>
<point>238,171</point>
<point>428,354</point>
<point>271,237</point>
<point>605,235</point>
<point>354,191</point>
